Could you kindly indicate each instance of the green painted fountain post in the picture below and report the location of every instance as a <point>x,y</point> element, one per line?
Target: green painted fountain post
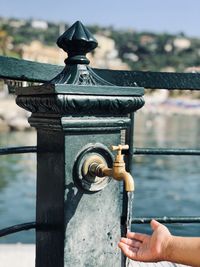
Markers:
<point>78,114</point>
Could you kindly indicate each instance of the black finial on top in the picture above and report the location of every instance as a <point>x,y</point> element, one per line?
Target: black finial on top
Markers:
<point>77,41</point>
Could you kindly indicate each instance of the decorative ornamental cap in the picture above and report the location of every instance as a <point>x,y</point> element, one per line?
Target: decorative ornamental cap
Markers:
<point>77,41</point>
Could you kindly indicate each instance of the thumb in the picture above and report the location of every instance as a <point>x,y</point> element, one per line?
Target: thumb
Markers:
<point>154,224</point>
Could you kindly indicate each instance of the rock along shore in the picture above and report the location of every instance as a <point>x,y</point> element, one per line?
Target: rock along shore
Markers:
<point>12,117</point>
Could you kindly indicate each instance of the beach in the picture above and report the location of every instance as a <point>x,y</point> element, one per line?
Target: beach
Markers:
<point>14,118</point>
<point>18,255</point>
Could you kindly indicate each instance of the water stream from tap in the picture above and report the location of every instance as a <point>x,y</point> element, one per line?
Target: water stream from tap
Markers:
<point>130,196</point>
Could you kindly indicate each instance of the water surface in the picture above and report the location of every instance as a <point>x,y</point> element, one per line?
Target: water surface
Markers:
<point>17,186</point>
<point>165,185</point>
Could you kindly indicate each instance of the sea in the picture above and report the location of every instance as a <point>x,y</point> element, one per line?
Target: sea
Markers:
<point>165,185</point>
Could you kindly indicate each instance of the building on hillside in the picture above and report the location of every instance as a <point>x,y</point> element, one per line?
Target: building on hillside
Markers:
<point>39,24</point>
<point>147,39</point>
<point>194,69</point>
<point>104,56</point>
<point>182,43</point>
<point>36,51</point>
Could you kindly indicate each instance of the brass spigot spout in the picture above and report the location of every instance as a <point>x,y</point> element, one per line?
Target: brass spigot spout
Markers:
<point>118,171</point>
<point>128,181</point>
<point>123,175</point>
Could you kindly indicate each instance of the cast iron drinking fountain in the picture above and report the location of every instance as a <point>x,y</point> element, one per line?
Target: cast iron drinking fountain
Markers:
<point>81,209</point>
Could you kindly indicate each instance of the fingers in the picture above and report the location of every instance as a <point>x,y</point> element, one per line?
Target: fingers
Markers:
<point>131,242</point>
<point>154,224</point>
<point>137,236</point>
<point>130,252</point>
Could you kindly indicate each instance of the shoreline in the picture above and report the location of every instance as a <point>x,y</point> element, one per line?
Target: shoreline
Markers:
<point>172,106</point>
<point>14,118</point>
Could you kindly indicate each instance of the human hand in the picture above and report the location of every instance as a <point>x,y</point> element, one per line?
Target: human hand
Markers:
<point>142,247</point>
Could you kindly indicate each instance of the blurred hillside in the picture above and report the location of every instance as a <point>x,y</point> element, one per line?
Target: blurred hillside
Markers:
<point>125,49</point>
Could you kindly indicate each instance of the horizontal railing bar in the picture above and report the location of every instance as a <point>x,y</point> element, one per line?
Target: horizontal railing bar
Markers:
<point>17,228</point>
<point>147,220</point>
<point>144,220</point>
<point>152,80</point>
<point>24,70</point>
<point>136,151</point>
<point>166,151</point>
<point>18,150</point>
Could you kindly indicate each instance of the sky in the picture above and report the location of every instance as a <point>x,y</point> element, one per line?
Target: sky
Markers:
<point>172,16</point>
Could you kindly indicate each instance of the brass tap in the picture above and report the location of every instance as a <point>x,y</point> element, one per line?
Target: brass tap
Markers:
<point>118,171</point>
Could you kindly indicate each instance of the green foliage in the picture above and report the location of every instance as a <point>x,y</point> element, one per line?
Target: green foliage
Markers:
<point>156,51</point>
<point>140,50</point>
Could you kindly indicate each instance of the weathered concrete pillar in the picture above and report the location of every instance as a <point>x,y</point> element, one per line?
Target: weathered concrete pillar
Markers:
<point>78,114</point>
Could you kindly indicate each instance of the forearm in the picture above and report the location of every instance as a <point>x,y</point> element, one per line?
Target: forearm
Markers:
<point>185,250</point>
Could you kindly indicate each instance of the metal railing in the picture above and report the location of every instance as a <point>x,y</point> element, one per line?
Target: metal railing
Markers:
<point>149,80</point>
<point>136,220</point>
<point>24,226</point>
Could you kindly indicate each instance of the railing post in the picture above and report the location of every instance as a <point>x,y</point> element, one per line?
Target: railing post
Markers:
<point>77,114</point>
